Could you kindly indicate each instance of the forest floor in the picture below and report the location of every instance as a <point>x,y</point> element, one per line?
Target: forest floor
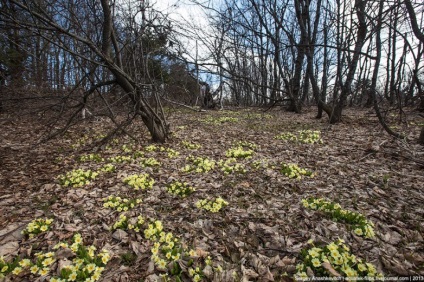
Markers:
<point>258,236</point>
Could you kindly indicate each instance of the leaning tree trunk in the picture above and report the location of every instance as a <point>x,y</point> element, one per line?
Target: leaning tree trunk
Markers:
<point>361,35</point>
<point>420,35</point>
<point>154,121</point>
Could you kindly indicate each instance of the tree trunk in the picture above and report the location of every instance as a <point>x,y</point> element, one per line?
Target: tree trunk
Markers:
<point>421,138</point>
<point>360,39</point>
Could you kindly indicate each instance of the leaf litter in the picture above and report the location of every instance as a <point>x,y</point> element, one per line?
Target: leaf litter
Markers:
<point>260,234</point>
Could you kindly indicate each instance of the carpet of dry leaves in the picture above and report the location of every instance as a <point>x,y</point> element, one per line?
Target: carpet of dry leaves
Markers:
<point>260,234</point>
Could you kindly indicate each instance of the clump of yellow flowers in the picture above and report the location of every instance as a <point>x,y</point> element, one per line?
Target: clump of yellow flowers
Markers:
<point>108,168</point>
<point>91,158</point>
<point>129,224</point>
<point>7,267</point>
<point>126,149</point>
<point>361,226</point>
<point>190,145</point>
<point>120,159</point>
<point>140,181</point>
<point>212,205</point>
<point>338,255</point>
<point>294,171</point>
<point>286,136</point>
<point>86,265</point>
<point>260,164</point>
<point>220,120</point>
<point>120,204</point>
<point>150,148</point>
<point>171,153</point>
<point>198,164</point>
<point>37,226</point>
<point>310,136</point>
<point>230,165</point>
<point>196,273</point>
<point>149,162</point>
<point>77,178</point>
<point>246,144</point>
<point>239,152</point>
<point>166,248</point>
<point>303,136</point>
<point>180,189</point>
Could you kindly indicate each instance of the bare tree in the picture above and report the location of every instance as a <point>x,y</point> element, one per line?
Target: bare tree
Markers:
<point>99,49</point>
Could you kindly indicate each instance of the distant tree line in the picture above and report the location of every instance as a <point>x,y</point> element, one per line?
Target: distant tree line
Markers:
<point>329,53</point>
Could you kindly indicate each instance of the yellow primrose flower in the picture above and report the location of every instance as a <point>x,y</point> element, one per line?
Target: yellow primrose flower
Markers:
<point>162,264</point>
<point>335,253</point>
<point>155,251</point>
<point>332,247</point>
<point>17,270</point>
<point>316,262</point>
<point>4,268</point>
<point>313,253</point>
<point>74,247</point>
<point>25,263</point>
<point>338,260</point>
<point>48,261</point>
<point>176,257</point>
<point>350,272</point>
<point>72,276</point>
<point>44,271</point>
<point>362,267</point>
<point>358,231</point>
<point>96,276</point>
<point>91,267</point>
<point>105,259</point>
<point>34,269</point>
